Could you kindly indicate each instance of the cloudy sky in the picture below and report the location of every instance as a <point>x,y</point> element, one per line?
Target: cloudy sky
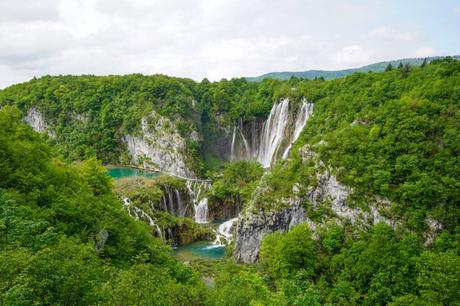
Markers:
<point>217,38</point>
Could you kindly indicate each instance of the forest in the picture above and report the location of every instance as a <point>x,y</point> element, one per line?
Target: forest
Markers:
<point>67,240</point>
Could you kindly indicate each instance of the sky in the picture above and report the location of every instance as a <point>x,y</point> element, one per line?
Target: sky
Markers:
<point>217,38</point>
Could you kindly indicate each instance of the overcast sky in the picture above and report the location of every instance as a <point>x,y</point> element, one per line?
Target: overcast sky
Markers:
<point>217,38</point>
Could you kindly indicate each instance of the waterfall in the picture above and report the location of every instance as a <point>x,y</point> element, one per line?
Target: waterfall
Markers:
<point>201,211</point>
<point>302,117</point>
<point>232,150</point>
<point>171,237</point>
<point>139,214</point>
<point>225,231</point>
<point>180,207</point>
<point>245,141</point>
<point>253,138</point>
<point>171,203</point>
<point>273,132</point>
<point>276,137</point>
<point>200,203</point>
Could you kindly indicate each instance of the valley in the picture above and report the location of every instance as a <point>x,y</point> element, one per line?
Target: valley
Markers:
<point>282,192</point>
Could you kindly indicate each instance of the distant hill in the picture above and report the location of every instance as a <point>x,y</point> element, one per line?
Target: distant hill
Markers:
<point>328,75</point>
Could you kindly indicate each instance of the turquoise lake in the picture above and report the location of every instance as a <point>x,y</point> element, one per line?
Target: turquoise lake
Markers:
<point>199,249</point>
<point>122,172</point>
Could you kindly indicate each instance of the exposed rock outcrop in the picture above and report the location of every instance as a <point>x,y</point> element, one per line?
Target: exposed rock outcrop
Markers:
<point>159,147</point>
<point>37,121</point>
<point>253,226</point>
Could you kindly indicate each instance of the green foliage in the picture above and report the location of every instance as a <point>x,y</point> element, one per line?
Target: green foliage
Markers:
<point>283,255</point>
<point>236,286</point>
<point>66,240</point>
<point>377,268</point>
<point>145,284</point>
<point>63,233</point>
<point>237,181</point>
<point>394,137</point>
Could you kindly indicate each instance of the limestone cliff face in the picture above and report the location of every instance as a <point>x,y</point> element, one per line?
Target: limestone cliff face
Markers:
<point>159,146</point>
<point>254,225</point>
<point>37,121</point>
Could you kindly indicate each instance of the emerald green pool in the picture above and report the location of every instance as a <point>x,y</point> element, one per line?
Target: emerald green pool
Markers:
<point>122,172</point>
<point>199,249</point>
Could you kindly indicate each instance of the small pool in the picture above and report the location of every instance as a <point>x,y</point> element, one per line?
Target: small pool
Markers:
<point>122,172</point>
<point>199,249</point>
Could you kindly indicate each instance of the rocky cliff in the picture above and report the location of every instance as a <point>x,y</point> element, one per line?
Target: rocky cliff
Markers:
<point>159,146</point>
<point>254,225</point>
<point>37,121</point>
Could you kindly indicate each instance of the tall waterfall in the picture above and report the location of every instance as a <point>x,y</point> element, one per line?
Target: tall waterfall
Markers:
<point>273,138</point>
<point>273,132</point>
<point>200,203</point>
<point>232,152</point>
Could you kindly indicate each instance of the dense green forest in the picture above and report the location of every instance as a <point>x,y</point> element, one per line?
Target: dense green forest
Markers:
<point>66,240</point>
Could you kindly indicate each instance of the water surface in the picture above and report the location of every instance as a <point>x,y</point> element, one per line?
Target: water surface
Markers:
<point>122,172</point>
<point>199,249</point>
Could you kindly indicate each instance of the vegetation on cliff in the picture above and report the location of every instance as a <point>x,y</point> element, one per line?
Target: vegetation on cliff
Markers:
<point>65,238</point>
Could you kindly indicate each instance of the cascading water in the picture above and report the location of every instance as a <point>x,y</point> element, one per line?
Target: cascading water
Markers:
<point>139,214</point>
<point>245,141</point>
<point>224,234</point>
<point>173,203</point>
<point>201,211</point>
<point>232,152</point>
<point>275,137</point>
<point>200,203</point>
<point>273,132</point>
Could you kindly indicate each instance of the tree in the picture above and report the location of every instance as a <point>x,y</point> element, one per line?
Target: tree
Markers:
<point>405,70</point>
<point>424,63</point>
<point>389,67</point>
<point>283,255</point>
<point>400,65</point>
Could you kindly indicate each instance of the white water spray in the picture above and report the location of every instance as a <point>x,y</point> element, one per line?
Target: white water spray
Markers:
<point>273,132</point>
<point>224,234</point>
<point>200,203</point>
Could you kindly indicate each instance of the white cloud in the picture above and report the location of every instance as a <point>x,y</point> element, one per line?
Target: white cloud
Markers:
<point>25,42</point>
<point>457,9</point>
<point>389,34</point>
<point>425,52</point>
<point>195,38</point>
<point>351,56</point>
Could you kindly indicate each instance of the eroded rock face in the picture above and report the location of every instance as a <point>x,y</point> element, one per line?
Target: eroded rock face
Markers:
<point>253,226</point>
<point>37,121</point>
<point>160,146</point>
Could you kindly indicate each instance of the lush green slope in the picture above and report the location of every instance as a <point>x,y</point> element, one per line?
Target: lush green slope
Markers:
<point>393,134</point>
<point>89,115</point>
<point>65,239</point>
<point>329,75</point>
